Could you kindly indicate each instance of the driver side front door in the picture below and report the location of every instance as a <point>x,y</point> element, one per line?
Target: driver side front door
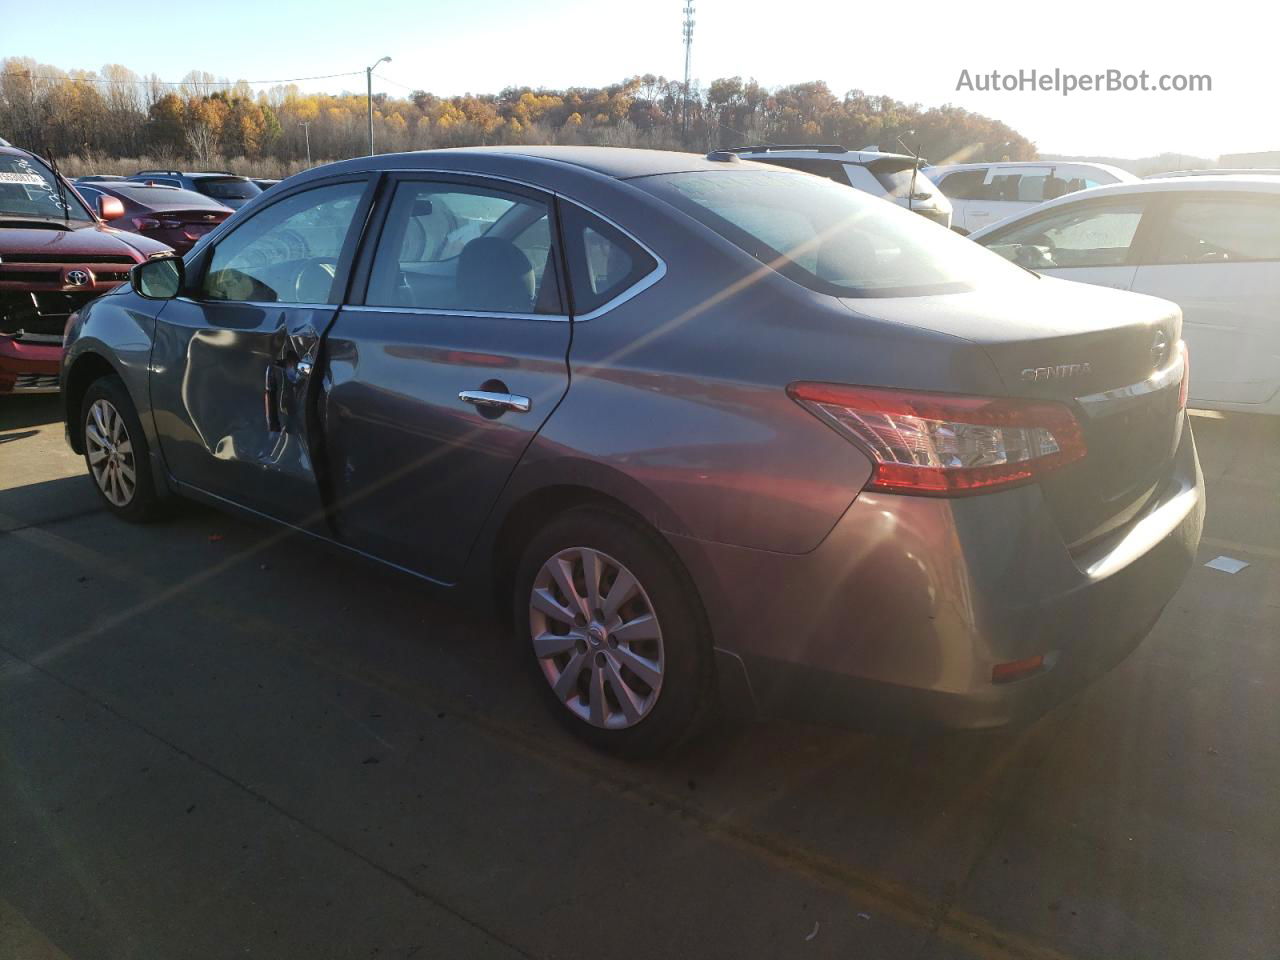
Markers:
<point>236,357</point>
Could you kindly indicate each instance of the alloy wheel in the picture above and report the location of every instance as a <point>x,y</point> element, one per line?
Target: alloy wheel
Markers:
<point>597,638</point>
<point>110,453</point>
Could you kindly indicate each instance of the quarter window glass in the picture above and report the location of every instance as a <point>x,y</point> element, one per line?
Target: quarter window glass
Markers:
<point>1091,237</point>
<point>287,253</point>
<point>603,261</point>
<point>451,247</point>
<point>1221,231</point>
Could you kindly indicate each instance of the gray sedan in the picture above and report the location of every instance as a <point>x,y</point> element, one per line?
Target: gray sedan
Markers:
<point>704,428</point>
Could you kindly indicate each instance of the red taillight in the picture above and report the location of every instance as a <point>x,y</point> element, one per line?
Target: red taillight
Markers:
<point>940,444</point>
<point>1185,387</point>
<point>1017,669</point>
<point>145,223</point>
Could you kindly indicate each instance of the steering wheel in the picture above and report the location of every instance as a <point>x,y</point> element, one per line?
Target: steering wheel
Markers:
<point>315,280</point>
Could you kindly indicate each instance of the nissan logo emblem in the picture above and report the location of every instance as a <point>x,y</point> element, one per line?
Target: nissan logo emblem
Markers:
<point>79,278</point>
<point>1160,349</point>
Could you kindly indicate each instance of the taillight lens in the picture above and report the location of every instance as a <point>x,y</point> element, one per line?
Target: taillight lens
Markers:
<point>145,223</point>
<point>1184,388</point>
<point>940,444</point>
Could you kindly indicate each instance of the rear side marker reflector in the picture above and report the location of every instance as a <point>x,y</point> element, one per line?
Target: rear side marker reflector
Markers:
<point>1017,669</point>
<point>941,444</point>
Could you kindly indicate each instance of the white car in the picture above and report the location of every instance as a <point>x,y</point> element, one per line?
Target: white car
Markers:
<point>1210,244</point>
<point>985,193</point>
<point>890,176</point>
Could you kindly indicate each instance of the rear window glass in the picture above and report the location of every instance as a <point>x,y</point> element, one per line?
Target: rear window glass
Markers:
<point>164,196</point>
<point>229,189</point>
<point>834,240</point>
<point>897,181</point>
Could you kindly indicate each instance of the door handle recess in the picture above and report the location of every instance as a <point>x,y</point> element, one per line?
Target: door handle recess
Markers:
<point>304,367</point>
<point>495,401</point>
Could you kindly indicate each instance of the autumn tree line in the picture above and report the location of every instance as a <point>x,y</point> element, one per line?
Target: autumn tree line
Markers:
<point>103,121</point>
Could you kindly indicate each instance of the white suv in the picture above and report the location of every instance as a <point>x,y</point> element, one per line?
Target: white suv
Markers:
<point>985,193</point>
<point>887,175</point>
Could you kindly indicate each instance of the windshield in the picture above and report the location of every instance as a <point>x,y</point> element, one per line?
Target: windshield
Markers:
<point>837,241</point>
<point>29,189</point>
<point>232,188</point>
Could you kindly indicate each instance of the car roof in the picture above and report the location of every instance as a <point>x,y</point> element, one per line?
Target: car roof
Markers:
<point>1198,185</point>
<point>621,163</point>
<point>1124,176</point>
<point>825,153</point>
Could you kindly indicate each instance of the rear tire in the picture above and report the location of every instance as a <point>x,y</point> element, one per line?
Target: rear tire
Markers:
<point>116,451</point>
<point>628,666</point>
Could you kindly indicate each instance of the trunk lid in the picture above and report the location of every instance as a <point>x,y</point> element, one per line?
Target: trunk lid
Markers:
<point>1083,346</point>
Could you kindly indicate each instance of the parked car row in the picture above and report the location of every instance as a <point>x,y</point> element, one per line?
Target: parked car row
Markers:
<point>985,193</point>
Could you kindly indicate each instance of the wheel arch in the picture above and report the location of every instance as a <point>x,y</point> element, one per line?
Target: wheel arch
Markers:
<point>88,367</point>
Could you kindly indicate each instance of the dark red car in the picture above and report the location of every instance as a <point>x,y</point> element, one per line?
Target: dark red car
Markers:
<point>56,254</point>
<point>171,215</point>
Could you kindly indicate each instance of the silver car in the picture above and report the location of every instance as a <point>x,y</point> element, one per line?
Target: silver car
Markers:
<point>707,429</point>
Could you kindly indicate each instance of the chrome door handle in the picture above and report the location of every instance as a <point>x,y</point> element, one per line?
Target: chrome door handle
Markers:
<point>496,401</point>
<point>304,367</point>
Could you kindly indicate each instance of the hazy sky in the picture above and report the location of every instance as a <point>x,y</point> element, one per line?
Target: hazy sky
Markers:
<point>910,51</point>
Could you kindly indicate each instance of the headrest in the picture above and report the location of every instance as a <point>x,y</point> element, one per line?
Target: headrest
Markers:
<point>493,275</point>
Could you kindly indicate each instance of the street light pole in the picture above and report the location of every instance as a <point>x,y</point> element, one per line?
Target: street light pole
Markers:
<point>306,129</point>
<point>368,75</point>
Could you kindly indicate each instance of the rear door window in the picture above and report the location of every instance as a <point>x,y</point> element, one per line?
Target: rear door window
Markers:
<point>458,247</point>
<point>1226,230</point>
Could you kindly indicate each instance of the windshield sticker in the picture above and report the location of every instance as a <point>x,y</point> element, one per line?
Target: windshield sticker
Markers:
<point>34,179</point>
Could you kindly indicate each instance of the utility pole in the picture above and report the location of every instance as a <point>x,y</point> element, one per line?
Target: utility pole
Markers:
<point>368,75</point>
<point>688,53</point>
<point>306,129</point>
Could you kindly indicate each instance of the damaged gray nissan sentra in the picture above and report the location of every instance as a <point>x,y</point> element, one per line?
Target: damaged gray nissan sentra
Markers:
<point>702,425</point>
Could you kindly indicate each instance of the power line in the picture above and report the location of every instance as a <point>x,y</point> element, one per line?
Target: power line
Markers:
<point>397,83</point>
<point>178,83</point>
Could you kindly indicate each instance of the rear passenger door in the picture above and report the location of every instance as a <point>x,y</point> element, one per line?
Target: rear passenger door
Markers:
<point>449,358</point>
<point>1217,255</point>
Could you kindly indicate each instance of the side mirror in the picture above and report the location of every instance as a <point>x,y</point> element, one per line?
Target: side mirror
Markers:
<point>110,208</point>
<point>158,279</point>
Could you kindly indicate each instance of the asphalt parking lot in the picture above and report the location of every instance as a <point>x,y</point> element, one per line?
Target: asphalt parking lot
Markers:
<point>216,741</point>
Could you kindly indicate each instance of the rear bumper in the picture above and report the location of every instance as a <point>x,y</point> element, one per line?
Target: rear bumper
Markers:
<point>28,367</point>
<point>908,604</point>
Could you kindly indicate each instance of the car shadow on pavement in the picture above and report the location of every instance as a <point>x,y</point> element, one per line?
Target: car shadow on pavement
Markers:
<point>35,410</point>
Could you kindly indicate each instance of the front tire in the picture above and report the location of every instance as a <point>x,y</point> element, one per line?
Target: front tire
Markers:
<point>116,451</point>
<point>615,632</point>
